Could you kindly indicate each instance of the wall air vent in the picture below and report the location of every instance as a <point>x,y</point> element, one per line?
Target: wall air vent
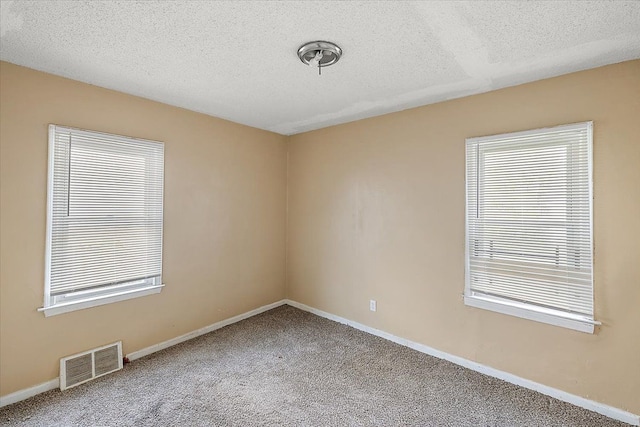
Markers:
<point>85,366</point>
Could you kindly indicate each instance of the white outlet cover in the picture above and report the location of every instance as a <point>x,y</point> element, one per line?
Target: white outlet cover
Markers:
<point>372,305</point>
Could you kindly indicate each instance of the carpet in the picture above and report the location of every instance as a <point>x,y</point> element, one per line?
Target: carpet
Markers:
<point>287,367</point>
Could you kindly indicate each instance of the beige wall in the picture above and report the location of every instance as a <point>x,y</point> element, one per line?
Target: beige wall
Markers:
<point>224,226</point>
<point>376,211</point>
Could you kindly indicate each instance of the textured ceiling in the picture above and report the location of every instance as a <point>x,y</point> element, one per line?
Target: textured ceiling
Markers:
<point>237,60</point>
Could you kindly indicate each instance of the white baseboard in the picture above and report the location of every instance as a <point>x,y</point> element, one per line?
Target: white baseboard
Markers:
<point>55,383</point>
<point>190,335</point>
<point>29,392</point>
<point>601,408</point>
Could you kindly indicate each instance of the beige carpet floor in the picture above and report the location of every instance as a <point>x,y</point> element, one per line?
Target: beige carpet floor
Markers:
<point>287,367</point>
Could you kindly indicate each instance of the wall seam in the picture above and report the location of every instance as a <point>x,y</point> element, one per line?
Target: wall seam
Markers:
<point>286,220</point>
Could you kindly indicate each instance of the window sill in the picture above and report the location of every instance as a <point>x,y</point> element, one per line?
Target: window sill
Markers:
<point>54,310</point>
<point>538,314</point>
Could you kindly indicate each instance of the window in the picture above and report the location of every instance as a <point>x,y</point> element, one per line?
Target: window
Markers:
<point>104,219</point>
<point>529,233</point>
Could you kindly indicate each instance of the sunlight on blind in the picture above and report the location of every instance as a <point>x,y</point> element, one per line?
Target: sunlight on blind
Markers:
<point>106,216</point>
<point>529,217</point>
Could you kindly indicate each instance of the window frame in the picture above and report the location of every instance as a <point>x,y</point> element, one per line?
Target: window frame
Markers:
<point>516,308</point>
<point>86,298</point>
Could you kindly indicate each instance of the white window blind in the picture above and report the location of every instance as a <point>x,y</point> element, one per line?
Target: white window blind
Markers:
<point>529,233</point>
<point>105,215</point>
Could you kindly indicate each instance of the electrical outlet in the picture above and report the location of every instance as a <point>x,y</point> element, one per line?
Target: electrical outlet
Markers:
<point>373,305</point>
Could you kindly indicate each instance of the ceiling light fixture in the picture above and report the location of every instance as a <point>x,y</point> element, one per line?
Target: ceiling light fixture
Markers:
<point>319,54</point>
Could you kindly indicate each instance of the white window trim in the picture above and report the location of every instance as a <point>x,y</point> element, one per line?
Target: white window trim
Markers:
<point>92,299</point>
<point>523,310</point>
<point>99,300</point>
<point>531,312</point>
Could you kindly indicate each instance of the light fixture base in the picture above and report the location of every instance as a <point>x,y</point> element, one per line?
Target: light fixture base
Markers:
<point>331,53</point>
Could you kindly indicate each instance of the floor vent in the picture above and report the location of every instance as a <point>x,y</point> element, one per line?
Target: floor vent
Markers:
<point>85,366</point>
